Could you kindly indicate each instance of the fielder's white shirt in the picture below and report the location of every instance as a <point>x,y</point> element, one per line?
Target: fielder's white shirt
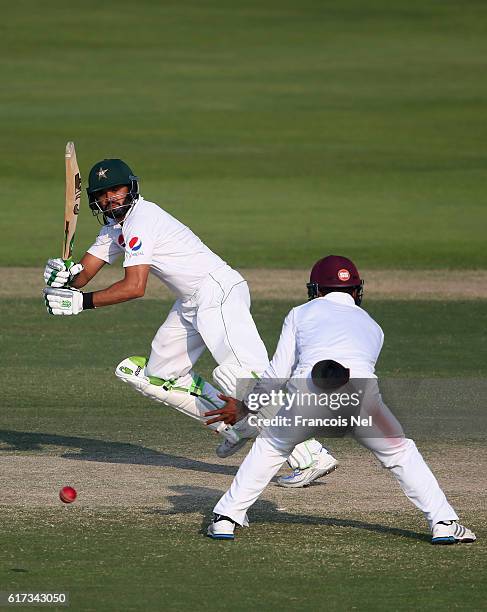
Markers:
<point>329,327</point>
<point>150,235</point>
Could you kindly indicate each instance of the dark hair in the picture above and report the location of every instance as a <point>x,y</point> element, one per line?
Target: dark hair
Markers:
<point>329,374</point>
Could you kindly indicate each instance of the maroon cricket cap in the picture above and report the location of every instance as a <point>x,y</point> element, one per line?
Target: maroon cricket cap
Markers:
<point>335,271</point>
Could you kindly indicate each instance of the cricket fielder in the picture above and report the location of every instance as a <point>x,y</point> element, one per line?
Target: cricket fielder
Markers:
<point>332,329</point>
<point>212,308</point>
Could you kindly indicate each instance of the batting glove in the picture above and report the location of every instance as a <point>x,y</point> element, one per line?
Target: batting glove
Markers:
<point>63,301</point>
<point>61,272</point>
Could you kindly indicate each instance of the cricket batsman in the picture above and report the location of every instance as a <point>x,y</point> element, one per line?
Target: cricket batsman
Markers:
<point>212,309</point>
<point>332,334</point>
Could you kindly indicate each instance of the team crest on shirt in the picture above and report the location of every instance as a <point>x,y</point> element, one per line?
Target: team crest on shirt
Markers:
<point>121,241</point>
<point>135,244</point>
<point>343,274</point>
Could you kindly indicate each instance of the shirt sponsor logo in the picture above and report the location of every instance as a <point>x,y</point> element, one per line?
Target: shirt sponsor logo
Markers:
<point>343,274</point>
<point>135,244</point>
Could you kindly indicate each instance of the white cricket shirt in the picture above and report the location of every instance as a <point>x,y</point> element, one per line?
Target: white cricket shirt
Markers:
<point>150,235</point>
<point>329,327</point>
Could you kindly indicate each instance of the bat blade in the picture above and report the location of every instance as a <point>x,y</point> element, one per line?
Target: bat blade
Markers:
<point>73,199</point>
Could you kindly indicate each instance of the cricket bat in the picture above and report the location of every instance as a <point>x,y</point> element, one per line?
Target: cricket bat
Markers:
<point>73,199</point>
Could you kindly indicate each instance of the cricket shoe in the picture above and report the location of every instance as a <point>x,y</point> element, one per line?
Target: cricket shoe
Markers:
<point>221,528</point>
<point>244,433</point>
<point>321,466</point>
<point>451,532</point>
<point>228,447</point>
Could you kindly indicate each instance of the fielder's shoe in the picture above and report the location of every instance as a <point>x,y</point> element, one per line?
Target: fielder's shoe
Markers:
<point>221,528</point>
<point>324,464</point>
<point>451,532</point>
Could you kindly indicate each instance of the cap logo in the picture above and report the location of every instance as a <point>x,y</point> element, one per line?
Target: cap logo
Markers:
<point>343,274</point>
<point>102,173</point>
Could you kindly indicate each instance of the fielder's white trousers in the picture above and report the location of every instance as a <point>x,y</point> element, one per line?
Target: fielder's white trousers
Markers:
<point>397,454</point>
<point>218,317</point>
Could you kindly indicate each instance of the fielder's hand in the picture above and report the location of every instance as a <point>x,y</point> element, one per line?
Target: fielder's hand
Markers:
<point>63,301</point>
<point>60,272</point>
<point>232,411</point>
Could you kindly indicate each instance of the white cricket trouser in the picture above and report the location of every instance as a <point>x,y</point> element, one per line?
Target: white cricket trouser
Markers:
<point>398,454</point>
<point>218,317</point>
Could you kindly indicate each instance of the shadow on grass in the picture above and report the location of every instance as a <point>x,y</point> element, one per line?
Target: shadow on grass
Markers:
<point>187,498</point>
<point>105,451</point>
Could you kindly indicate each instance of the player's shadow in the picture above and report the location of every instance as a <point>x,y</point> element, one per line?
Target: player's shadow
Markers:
<point>105,451</point>
<point>187,498</point>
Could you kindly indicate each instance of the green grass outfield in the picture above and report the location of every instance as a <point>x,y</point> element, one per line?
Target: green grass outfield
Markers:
<point>147,480</point>
<point>277,130</point>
